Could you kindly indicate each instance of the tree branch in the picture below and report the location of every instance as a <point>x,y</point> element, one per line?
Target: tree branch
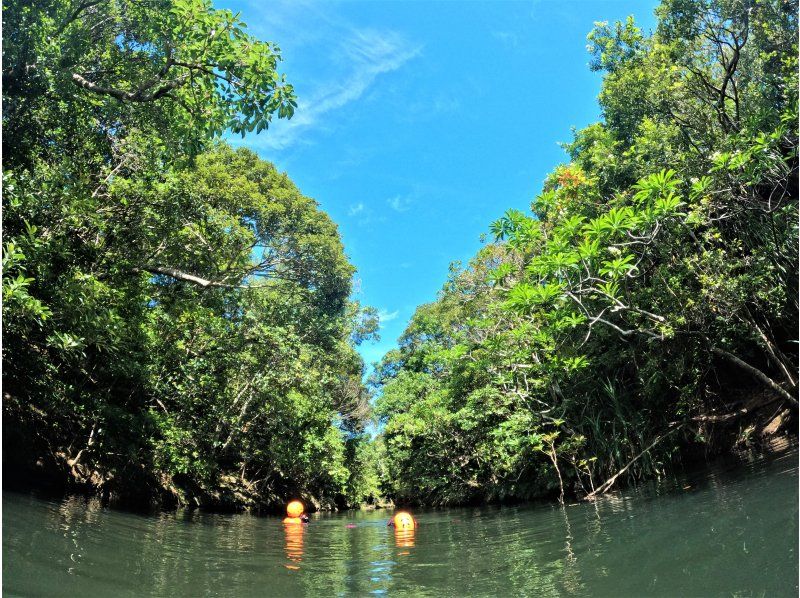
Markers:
<point>75,14</point>
<point>138,95</point>
<point>755,372</point>
<point>606,486</point>
<point>186,277</point>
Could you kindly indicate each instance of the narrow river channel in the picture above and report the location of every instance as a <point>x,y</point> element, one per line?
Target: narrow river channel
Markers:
<point>729,530</point>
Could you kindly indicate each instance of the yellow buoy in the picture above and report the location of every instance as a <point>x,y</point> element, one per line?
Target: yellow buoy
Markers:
<point>403,520</point>
<point>295,508</point>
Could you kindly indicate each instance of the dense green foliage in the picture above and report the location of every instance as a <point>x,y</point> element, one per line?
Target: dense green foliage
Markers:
<point>177,322</point>
<point>176,316</point>
<point>649,305</point>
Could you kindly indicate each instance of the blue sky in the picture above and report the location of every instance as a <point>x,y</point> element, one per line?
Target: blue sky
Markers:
<point>419,123</point>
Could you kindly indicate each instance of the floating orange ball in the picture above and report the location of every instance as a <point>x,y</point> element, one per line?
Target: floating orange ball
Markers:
<point>403,520</point>
<point>295,508</point>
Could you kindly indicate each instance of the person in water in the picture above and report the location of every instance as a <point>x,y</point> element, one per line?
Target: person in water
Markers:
<point>295,513</point>
<point>403,521</point>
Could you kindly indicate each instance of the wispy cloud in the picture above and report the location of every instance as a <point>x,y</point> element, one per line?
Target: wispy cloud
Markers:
<point>356,209</point>
<point>431,107</point>
<point>364,214</point>
<point>399,203</point>
<point>388,316</point>
<point>346,61</point>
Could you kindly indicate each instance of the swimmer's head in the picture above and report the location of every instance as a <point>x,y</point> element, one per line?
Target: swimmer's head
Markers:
<point>295,508</point>
<point>403,520</point>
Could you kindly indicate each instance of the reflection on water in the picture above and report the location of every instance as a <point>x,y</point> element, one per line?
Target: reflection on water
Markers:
<point>730,530</point>
<point>404,538</point>
<point>294,544</point>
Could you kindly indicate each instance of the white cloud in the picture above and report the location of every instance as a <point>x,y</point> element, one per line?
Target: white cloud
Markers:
<point>364,214</point>
<point>346,61</point>
<point>387,316</point>
<point>399,203</point>
<point>356,209</point>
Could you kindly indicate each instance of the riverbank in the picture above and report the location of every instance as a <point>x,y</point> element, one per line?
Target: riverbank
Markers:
<point>754,432</point>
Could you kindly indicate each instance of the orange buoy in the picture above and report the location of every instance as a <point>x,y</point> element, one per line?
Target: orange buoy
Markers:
<point>292,520</point>
<point>403,520</point>
<point>294,509</point>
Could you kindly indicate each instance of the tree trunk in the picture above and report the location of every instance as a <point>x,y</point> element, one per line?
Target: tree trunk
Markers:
<point>756,373</point>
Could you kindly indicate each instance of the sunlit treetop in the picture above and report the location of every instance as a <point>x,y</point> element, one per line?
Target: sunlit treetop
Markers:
<point>181,67</point>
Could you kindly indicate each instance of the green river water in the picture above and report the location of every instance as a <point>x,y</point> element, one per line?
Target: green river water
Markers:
<point>729,530</point>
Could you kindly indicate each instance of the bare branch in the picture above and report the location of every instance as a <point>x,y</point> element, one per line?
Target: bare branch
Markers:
<point>606,486</point>
<point>186,277</point>
<point>755,372</point>
<point>139,95</point>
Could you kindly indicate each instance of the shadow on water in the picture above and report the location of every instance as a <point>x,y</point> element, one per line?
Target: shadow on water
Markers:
<point>730,529</point>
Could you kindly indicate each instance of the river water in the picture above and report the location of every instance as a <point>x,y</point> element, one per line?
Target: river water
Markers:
<point>729,530</point>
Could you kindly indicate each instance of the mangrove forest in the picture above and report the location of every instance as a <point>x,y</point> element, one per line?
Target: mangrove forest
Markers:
<point>181,325</point>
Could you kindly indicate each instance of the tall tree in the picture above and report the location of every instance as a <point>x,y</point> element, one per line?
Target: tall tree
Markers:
<point>649,302</point>
<point>176,315</point>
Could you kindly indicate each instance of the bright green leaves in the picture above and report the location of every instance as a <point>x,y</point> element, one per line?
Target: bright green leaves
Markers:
<point>549,264</point>
<point>611,48</point>
<point>224,74</point>
<point>525,298</point>
<point>585,259</point>
<point>66,342</point>
<point>501,273</point>
<point>755,157</point>
<point>700,187</point>
<point>183,297</point>
<point>589,246</point>
<point>595,230</point>
<point>570,226</point>
<point>520,230</point>
<point>618,267</point>
<point>260,369</point>
<point>658,194</point>
<point>572,320</point>
<point>655,186</point>
<point>608,289</point>
<point>17,300</point>
<point>573,364</point>
<point>16,296</point>
<point>614,223</point>
<point>179,71</point>
<point>667,205</point>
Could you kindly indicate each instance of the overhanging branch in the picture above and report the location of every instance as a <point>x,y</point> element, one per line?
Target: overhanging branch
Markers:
<point>755,372</point>
<point>186,277</point>
<point>140,94</point>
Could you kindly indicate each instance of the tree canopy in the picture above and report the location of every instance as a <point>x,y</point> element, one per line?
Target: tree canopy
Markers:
<point>647,307</point>
<point>177,322</point>
<point>178,325</point>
